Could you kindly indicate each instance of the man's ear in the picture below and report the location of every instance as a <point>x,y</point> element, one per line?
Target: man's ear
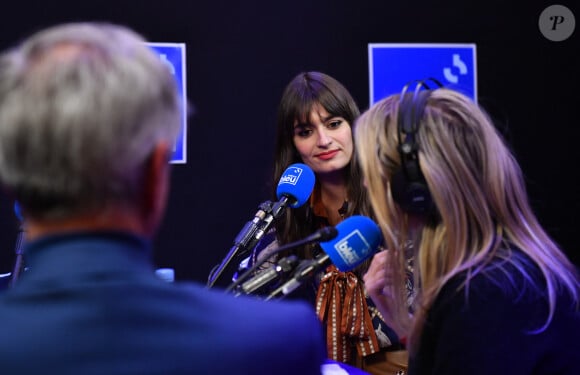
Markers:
<point>155,186</point>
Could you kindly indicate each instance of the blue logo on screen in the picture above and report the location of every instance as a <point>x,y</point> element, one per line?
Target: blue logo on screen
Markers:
<point>392,65</point>
<point>173,54</point>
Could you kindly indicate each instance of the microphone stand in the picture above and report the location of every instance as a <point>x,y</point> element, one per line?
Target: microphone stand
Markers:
<point>323,234</point>
<point>244,241</point>
<point>19,262</point>
<point>282,267</point>
<point>305,270</point>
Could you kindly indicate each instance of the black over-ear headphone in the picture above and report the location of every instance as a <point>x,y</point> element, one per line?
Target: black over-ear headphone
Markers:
<point>408,184</point>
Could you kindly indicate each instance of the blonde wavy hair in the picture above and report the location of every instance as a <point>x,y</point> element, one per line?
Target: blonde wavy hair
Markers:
<point>477,187</point>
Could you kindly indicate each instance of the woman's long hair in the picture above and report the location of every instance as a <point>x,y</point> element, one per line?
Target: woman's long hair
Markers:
<point>304,91</point>
<point>477,187</point>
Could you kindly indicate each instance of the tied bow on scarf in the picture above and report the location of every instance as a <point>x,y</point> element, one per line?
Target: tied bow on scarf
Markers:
<point>341,302</point>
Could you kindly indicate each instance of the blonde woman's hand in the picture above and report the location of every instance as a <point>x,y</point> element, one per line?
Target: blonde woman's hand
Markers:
<point>379,280</point>
<point>380,284</point>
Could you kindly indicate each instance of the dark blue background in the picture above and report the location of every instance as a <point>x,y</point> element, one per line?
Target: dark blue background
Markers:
<point>240,55</point>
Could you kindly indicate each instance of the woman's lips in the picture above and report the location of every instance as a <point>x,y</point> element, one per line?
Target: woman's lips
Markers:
<point>327,155</point>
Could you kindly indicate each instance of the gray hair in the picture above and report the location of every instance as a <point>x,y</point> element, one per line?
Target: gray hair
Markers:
<point>82,106</point>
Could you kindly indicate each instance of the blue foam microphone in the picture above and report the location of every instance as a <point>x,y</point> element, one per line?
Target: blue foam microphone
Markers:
<point>296,184</point>
<point>294,189</point>
<point>358,239</point>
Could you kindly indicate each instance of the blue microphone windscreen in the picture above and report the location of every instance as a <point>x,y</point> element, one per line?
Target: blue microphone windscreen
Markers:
<point>358,239</point>
<point>297,183</point>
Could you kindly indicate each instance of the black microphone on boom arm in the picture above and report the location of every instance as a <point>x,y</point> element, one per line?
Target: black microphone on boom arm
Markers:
<point>19,262</point>
<point>294,189</point>
<point>243,242</point>
<point>282,267</point>
<point>244,239</point>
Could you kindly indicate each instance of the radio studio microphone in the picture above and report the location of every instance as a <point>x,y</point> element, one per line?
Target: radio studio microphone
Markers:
<point>294,189</point>
<point>358,239</point>
<point>19,262</point>
<point>282,267</point>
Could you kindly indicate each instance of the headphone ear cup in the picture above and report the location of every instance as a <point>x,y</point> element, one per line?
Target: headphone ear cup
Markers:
<point>410,191</point>
<point>408,186</point>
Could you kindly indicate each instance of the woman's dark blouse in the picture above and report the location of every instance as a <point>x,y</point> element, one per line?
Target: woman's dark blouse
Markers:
<point>489,330</point>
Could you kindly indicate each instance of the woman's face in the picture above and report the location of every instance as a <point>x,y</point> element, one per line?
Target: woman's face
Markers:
<point>324,142</point>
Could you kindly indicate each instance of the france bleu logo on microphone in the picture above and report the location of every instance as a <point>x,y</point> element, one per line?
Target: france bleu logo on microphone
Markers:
<point>358,238</point>
<point>353,248</point>
<point>296,184</point>
<point>291,176</point>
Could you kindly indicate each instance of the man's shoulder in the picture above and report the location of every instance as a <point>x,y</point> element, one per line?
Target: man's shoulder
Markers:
<point>283,331</point>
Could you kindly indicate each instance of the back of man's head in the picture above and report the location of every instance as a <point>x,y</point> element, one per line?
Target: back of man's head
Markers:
<point>82,107</point>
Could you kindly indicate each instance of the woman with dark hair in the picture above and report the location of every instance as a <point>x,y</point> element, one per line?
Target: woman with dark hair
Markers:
<point>314,127</point>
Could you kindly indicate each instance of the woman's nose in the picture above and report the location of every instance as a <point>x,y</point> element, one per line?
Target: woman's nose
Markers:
<point>324,140</point>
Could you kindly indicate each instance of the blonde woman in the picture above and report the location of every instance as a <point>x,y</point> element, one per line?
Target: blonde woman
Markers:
<point>497,295</point>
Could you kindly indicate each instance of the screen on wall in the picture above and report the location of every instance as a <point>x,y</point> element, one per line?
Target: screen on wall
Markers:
<point>173,54</point>
<point>393,65</point>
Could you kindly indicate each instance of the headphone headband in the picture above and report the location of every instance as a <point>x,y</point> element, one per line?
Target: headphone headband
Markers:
<point>409,187</point>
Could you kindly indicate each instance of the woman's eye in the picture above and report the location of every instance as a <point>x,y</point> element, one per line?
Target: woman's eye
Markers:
<point>334,124</point>
<point>302,132</point>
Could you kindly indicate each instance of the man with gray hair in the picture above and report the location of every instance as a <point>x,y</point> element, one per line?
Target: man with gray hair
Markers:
<point>88,117</point>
